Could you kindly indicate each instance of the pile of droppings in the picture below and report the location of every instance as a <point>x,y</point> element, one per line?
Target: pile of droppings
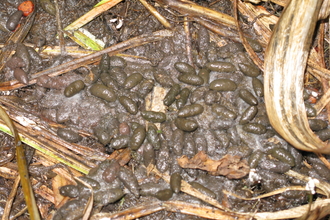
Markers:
<point>163,108</point>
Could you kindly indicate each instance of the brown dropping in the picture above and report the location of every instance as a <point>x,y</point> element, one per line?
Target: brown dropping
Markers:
<point>15,62</point>
<point>21,76</point>
<point>230,166</point>
<point>111,172</point>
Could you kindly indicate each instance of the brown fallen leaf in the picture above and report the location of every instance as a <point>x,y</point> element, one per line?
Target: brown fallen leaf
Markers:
<point>230,166</point>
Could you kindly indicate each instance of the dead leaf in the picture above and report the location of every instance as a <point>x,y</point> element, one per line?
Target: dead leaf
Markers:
<point>230,166</point>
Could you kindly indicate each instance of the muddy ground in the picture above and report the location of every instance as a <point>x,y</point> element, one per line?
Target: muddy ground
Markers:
<point>150,100</point>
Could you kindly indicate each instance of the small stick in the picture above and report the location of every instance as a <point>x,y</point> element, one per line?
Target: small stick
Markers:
<point>248,48</point>
<point>10,199</point>
<point>59,29</point>
<point>188,41</point>
<point>156,14</point>
<point>188,7</point>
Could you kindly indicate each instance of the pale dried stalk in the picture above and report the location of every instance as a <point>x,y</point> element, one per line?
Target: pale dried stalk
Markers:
<point>185,6</point>
<point>285,63</point>
<point>156,14</point>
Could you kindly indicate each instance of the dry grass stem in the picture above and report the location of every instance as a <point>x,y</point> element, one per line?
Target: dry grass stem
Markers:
<point>247,46</point>
<point>156,14</point>
<point>11,198</point>
<point>189,8</point>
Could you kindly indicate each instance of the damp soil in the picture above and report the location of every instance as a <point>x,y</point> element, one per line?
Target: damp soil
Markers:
<point>156,101</point>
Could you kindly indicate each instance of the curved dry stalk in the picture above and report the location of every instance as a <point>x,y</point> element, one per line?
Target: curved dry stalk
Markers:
<point>285,63</point>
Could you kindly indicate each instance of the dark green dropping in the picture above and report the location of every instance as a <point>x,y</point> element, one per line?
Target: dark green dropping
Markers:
<point>177,141</point>
<point>317,124</point>
<point>211,97</point>
<point>163,78</point>
<point>249,69</point>
<point>223,112</point>
<point>305,95</point>
<point>120,142</point>
<point>93,76</point>
<point>175,182</point>
<point>102,135</point>
<point>111,196</point>
<point>204,73</point>
<point>241,150</point>
<point>164,194</point>
<point>23,53</point>
<point>68,135</point>
<point>111,172</point>
<point>132,80</point>
<point>248,114</point>
<point>255,45</point>
<point>221,123</point>
<point>186,124</point>
<point>128,104</point>
<point>310,110</point>
<point>14,20</point>
<point>104,65</point>
<point>198,94</point>
<point>248,97</point>
<point>254,128</point>
<point>74,88</point>
<point>117,61</point>
<point>145,87</point>
<point>71,191</point>
<point>203,189</point>
<point>108,81</point>
<point>184,68</point>
<point>323,134</point>
<point>190,110</point>
<point>171,94</point>
<point>191,79</point>
<point>118,74</point>
<point>182,98</point>
<point>223,85</point>
<point>258,87</point>
<point>103,92</point>
<point>48,6</point>
<point>93,183</point>
<point>148,154</point>
<point>255,158</point>
<point>283,155</point>
<point>129,180</point>
<point>152,136</point>
<point>137,137</point>
<point>152,116</point>
<point>220,66</point>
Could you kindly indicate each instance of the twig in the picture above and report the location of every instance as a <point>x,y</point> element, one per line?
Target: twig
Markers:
<point>225,32</point>
<point>59,29</point>
<point>247,46</point>
<point>188,41</point>
<point>156,14</point>
<point>96,11</point>
<point>192,9</point>
<point>10,199</point>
